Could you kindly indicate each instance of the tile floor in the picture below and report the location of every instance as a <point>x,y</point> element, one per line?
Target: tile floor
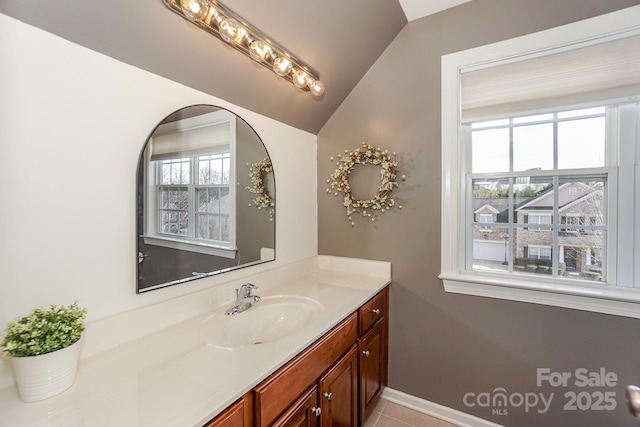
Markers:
<point>389,414</point>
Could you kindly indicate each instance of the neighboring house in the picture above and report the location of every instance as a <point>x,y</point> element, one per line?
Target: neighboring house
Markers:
<point>490,241</point>
<point>580,242</point>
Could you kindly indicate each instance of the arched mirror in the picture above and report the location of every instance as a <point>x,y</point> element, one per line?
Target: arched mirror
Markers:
<point>205,198</point>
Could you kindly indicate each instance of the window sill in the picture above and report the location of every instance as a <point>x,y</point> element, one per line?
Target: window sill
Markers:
<point>599,299</point>
<point>189,245</point>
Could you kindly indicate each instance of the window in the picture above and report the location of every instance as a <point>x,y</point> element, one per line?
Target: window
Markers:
<point>486,219</point>
<point>537,219</point>
<point>212,198</point>
<point>572,219</point>
<point>191,188</point>
<point>533,129</point>
<point>533,189</point>
<point>195,188</point>
<point>538,252</point>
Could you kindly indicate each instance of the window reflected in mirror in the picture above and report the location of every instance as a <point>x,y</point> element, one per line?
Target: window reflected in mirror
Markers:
<point>195,217</point>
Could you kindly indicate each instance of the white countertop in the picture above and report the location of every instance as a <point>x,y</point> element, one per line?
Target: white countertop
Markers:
<point>173,378</point>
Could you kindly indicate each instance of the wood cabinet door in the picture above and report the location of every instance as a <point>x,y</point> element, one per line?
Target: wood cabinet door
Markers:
<point>372,349</point>
<point>278,392</point>
<point>303,413</point>
<point>339,392</point>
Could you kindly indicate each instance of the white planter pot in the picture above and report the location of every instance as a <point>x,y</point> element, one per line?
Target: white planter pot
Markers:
<point>44,376</point>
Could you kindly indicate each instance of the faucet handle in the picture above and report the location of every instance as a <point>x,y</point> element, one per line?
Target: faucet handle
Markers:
<point>246,289</point>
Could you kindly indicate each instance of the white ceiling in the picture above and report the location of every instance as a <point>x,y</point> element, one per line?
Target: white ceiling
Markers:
<point>415,9</point>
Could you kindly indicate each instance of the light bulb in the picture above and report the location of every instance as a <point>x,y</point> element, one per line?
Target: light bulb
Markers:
<point>282,66</point>
<point>316,87</point>
<point>259,50</point>
<point>241,34</point>
<point>300,78</point>
<point>194,10</point>
<point>216,17</point>
<point>228,28</point>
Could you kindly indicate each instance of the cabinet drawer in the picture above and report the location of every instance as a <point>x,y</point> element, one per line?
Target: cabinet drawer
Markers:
<point>280,390</point>
<point>373,310</point>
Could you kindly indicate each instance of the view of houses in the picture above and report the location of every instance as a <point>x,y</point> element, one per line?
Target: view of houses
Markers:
<point>578,238</point>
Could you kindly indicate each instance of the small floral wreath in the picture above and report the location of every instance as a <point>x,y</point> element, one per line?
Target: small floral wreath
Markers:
<point>257,172</point>
<point>339,181</point>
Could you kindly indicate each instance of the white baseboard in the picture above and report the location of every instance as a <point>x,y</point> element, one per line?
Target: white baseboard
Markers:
<point>435,410</point>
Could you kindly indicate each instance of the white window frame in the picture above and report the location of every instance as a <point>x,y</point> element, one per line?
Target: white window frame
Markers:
<point>152,235</point>
<point>622,299</point>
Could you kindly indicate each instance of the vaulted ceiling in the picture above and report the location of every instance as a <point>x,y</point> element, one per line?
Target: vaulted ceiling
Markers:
<point>340,39</point>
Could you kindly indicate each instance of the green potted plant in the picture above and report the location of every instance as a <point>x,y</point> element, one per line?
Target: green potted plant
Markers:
<point>44,347</point>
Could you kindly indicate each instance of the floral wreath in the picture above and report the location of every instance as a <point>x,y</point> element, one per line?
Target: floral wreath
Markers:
<point>339,180</point>
<point>257,172</point>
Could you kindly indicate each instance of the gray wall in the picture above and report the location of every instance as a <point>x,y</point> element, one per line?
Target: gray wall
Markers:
<point>341,39</point>
<point>445,345</point>
<point>255,229</point>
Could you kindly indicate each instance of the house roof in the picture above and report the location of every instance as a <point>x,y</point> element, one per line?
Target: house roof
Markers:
<point>544,201</point>
<point>499,204</point>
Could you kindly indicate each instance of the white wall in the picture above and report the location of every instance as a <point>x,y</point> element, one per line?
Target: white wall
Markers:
<point>72,124</point>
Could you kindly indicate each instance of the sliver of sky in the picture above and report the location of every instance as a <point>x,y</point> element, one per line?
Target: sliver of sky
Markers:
<point>580,142</point>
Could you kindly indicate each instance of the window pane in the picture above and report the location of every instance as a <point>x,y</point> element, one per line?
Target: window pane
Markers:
<point>581,237</point>
<point>174,206</point>
<point>208,200</point>
<point>491,249</point>
<point>224,228</point>
<point>527,205</point>
<point>174,199</point>
<point>581,143</point>
<point>175,171</point>
<point>214,169</point>
<point>209,169</point>
<point>226,170</point>
<point>533,147</point>
<point>224,200</point>
<point>581,256</point>
<point>490,150</point>
<point>168,199</point>
<point>173,222</point>
<point>213,208</point>
<point>535,259</point>
<point>208,227</point>
<point>493,192</point>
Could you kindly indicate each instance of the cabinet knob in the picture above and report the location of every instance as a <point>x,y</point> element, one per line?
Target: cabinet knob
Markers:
<point>366,353</point>
<point>316,411</point>
<point>376,311</point>
<point>328,395</point>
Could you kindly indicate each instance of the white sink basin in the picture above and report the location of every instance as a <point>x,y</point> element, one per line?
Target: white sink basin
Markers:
<point>270,319</point>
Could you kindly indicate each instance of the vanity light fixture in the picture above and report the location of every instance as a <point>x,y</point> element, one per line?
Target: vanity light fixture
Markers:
<point>217,19</point>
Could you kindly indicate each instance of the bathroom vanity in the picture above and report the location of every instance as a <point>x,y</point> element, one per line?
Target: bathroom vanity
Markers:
<point>329,370</point>
<point>337,380</point>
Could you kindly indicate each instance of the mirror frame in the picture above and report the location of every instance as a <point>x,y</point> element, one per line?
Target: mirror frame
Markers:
<point>140,202</point>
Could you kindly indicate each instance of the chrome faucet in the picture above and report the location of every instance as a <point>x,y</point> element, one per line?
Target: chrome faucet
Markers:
<point>244,299</point>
